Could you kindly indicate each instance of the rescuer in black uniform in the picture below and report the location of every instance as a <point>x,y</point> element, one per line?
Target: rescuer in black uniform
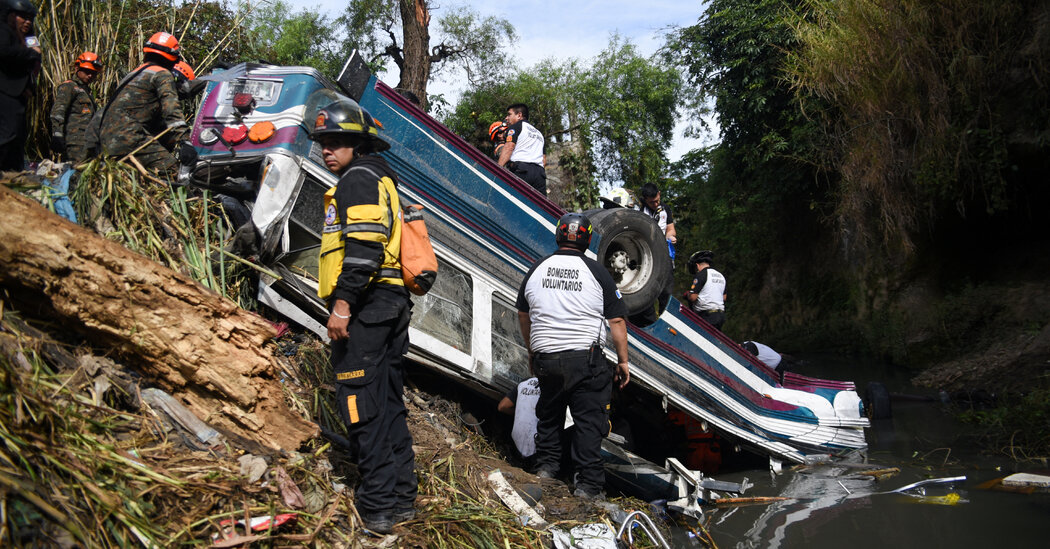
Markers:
<point>19,65</point>
<point>563,305</point>
<point>360,276</point>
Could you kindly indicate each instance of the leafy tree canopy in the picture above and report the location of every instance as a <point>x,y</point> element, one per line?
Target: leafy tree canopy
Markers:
<point>622,108</point>
<point>280,36</point>
<point>399,31</point>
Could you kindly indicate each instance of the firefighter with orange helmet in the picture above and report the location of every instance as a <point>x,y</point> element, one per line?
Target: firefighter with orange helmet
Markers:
<point>186,82</point>
<point>144,117</point>
<point>498,135</point>
<point>73,108</point>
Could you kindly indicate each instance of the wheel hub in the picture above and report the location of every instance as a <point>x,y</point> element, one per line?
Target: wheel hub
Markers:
<point>619,262</point>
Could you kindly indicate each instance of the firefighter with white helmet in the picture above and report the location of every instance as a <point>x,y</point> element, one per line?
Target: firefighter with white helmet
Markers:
<point>618,197</point>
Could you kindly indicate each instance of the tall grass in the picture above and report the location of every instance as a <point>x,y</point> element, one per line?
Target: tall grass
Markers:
<point>180,228</point>
<point>116,31</point>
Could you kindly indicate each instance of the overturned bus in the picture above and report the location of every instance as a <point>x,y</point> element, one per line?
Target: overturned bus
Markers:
<point>251,139</point>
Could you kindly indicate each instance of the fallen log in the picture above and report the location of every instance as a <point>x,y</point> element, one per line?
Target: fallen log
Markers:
<point>202,348</point>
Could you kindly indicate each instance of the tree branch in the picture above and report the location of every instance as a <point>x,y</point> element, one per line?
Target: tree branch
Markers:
<point>443,51</point>
<point>394,51</point>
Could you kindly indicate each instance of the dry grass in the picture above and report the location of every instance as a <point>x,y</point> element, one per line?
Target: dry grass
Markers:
<point>81,463</point>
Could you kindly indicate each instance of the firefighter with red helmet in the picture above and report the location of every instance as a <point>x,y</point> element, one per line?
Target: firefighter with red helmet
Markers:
<point>74,106</point>
<point>359,275</point>
<point>563,304</point>
<point>498,135</point>
<point>144,116</point>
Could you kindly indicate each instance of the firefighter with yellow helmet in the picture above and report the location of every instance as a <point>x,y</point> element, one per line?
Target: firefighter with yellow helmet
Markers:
<point>359,274</point>
<point>74,106</point>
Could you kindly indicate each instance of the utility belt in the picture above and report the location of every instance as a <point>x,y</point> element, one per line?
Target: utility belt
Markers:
<point>563,355</point>
<point>595,355</point>
<point>713,311</point>
<point>515,165</point>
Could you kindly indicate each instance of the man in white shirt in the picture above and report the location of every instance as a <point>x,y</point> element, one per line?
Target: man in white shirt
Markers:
<point>522,153</point>
<point>564,304</point>
<point>652,206</point>
<point>707,294</point>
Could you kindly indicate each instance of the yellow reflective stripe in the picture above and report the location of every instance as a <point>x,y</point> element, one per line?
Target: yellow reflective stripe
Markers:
<point>352,126</point>
<point>349,375</point>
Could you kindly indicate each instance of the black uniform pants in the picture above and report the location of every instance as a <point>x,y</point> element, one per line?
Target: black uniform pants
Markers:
<point>533,174</point>
<point>13,132</point>
<point>369,393</point>
<point>567,379</point>
<point>714,318</point>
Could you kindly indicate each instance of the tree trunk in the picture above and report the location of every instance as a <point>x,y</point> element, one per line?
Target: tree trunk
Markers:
<point>203,349</point>
<point>415,23</point>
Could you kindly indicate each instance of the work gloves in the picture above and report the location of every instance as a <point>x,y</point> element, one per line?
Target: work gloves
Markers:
<point>58,144</point>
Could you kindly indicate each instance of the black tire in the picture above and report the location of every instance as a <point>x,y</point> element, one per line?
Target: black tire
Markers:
<point>634,251</point>
<point>877,401</point>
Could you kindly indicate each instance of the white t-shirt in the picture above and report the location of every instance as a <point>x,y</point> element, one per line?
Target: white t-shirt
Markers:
<point>709,287</point>
<point>568,297</point>
<point>766,354</point>
<point>524,430</point>
<point>528,143</point>
<point>662,215</point>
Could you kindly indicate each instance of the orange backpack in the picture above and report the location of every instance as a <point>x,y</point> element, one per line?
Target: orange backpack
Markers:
<point>418,263</point>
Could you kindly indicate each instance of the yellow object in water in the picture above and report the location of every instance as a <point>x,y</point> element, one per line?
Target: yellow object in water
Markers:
<point>948,499</point>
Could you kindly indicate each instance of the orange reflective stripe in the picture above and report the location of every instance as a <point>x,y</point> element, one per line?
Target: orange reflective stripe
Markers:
<point>351,407</point>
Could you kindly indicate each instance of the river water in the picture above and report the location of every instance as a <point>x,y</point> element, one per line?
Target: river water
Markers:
<point>832,507</point>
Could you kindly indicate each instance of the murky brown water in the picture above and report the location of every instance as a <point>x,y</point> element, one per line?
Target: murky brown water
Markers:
<point>832,508</point>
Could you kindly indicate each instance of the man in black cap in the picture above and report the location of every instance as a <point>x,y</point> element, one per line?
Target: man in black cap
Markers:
<point>707,293</point>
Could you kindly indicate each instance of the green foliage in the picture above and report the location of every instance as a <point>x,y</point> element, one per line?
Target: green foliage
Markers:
<point>926,102</point>
<point>465,39</point>
<point>307,38</point>
<point>756,198</point>
<point>629,103</point>
<point>369,27</point>
<point>1019,424</point>
<point>475,43</point>
<point>613,121</point>
<point>542,90</point>
<point>733,56</point>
